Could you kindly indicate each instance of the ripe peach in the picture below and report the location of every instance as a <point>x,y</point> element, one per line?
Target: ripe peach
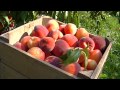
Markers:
<point>24,41</point>
<point>47,54</point>
<point>47,44</point>
<point>56,61</point>
<point>33,42</point>
<point>70,28</point>
<point>41,31</point>
<point>19,45</point>
<point>70,39</point>
<point>52,25</point>
<point>91,64</point>
<point>34,34</point>
<point>85,41</point>
<point>61,28</point>
<point>95,55</point>
<point>37,53</point>
<point>53,34</point>
<point>60,34</point>
<point>72,68</point>
<point>100,42</point>
<point>81,32</point>
<point>82,68</point>
<point>60,48</point>
<point>81,59</point>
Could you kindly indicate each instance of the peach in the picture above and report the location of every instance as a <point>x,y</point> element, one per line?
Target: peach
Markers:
<point>81,59</point>
<point>47,44</point>
<point>70,28</point>
<point>61,47</point>
<point>70,39</point>
<point>19,45</point>
<point>100,42</point>
<point>72,68</point>
<point>82,68</point>
<point>53,34</point>
<point>86,41</point>
<point>41,31</point>
<point>52,25</point>
<point>37,53</point>
<point>24,41</point>
<point>81,32</point>
<point>33,42</point>
<point>47,54</point>
<point>60,34</point>
<point>56,61</point>
<point>95,55</point>
<point>91,64</point>
<point>34,34</point>
<point>61,28</point>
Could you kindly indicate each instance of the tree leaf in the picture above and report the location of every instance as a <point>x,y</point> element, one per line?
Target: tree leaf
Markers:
<point>71,56</point>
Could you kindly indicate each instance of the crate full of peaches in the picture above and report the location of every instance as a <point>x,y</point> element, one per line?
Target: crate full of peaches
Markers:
<point>65,46</point>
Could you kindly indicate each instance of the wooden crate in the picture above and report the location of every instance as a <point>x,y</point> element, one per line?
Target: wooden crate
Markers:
<point>17,64</point>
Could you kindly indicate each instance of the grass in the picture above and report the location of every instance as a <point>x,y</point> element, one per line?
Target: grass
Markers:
<point>103,24</point>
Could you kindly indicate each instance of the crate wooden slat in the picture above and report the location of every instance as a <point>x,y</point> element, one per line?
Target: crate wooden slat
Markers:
<point>30,67</point>
<point>8,73</point>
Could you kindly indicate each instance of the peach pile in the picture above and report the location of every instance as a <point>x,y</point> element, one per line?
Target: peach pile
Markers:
<point>59,45</point>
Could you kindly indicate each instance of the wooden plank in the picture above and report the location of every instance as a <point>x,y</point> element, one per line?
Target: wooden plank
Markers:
<point>100,65</point>
<point>85,74</point>
<point>29,66</point>
<point>8,73</point>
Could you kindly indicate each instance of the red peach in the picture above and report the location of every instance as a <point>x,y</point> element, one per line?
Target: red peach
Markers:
<point>56,61</point>
<point>37,53</point>
<point>61,28</point>
<point>70,39</point>
<point>53,34</point>
<point>19,45</point>
<point>24,41</point>
<point>33,42</point>
<point>61,47</point>
<point>95,55</point>
<point>70,28</point>
<point>72,68</point>
<point>60,34</point>
<point>86,41</point>
<point>47,44</point>
<point>41,31</point>
<point>52,25</point>
<point>100,42</point>
<point>81,32</point>
<point>92,64</point>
